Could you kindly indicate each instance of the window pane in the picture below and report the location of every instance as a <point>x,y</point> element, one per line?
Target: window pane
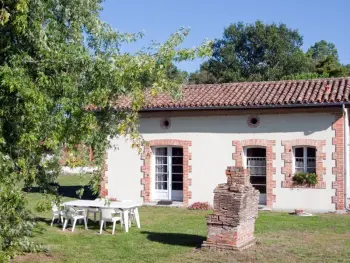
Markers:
<point>161,169</point>
<point>177,151</point>
<point>311,170</point>
<point>161,186</point>
<point>177,169</point>
<point>161,177</point>
<point>258,179</point>
<point>311,162</point>
<point>299,162</point>
<point>162,151</point>
<point>299,152</point>
<point>161,160</point>
<point>299,169</point>
<point>261,188</point>
<point>311,152</point>
<point>257,170</point>
<point>177,160</point>
<point>177,177</point>
<point>256,152</point>
<point>177,186</point>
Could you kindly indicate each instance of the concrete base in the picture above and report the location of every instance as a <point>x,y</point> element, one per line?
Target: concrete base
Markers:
<point>174,204</point>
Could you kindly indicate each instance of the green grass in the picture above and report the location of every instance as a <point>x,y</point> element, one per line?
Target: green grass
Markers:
<point>172,235</point>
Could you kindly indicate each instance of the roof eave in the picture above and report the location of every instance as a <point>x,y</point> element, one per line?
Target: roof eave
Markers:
<point>275,106</point>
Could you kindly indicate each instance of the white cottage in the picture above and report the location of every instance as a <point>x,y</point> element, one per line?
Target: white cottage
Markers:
<point>275,129</point>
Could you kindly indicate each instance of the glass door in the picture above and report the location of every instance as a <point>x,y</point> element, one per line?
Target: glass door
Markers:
<point>161,174</point>
<point>168,175</point>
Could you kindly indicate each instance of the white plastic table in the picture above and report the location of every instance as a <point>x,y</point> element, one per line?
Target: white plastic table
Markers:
<point>124,206</point>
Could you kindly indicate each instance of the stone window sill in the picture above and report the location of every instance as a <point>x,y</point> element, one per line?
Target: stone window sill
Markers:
<point>291,184</point>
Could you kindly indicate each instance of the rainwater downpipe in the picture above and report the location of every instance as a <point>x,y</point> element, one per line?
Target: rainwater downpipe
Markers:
<point>346,156</point>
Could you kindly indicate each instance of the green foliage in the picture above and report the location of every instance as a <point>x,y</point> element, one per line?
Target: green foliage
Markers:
<point>260,52</point>
<point>321,50</point>
<point>301,178</point>
<point>330,66</point>
<point>56,58</point>
<point>255,52</point>
<point>311,75</point>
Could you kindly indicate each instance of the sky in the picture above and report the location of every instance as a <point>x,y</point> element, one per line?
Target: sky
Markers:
<point>315,19</point>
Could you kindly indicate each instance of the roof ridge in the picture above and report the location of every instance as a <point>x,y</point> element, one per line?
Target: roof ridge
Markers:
<point>265,82</point>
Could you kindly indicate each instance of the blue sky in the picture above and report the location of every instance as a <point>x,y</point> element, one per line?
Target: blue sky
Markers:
<point>315,20</point>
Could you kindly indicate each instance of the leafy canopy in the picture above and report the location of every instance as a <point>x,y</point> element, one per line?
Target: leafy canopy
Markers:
<point>56,58</point>
<point>256,52</point>
<point>260,52</point>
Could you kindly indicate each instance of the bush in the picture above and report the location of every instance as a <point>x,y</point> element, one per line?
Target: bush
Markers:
<point>311,179</point>
<point>305,178</point>
<point>200,206</point>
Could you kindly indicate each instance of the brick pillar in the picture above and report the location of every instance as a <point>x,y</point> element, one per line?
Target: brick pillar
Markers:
<point>232,224</point>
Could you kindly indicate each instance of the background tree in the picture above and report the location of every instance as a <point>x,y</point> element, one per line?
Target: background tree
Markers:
<point>255,52</point>
<point>321,50</point>
<point>326,60</point>
<point>57,58</point>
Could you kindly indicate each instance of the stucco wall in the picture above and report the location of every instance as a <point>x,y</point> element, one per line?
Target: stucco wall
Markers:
<point>212,152</point>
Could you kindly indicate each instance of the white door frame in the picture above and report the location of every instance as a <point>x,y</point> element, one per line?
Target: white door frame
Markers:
<point>157,194</point>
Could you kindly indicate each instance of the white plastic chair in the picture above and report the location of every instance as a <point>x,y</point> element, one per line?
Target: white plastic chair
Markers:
<point>93,210</point>
<point>110,215</point>
<point>73,215</point>
<point>56,213</point>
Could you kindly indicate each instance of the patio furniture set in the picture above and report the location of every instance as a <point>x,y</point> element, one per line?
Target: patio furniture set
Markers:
<point>123,212</point>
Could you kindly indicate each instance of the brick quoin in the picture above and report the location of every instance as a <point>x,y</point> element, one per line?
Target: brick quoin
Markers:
<point>270,157</point>
<point>146,180</point>
<point>338,157</point>
<point>287,157</point>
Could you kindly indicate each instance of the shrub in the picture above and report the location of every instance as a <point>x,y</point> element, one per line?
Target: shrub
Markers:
<point>305,178</point>
<point>200,206</point>
<point>311,179</point>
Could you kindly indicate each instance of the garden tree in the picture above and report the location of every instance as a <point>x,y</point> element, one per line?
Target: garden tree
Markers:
<point>347,69</point>
<point>254,52</point>
<point>321,50</point>
<point>56,58</point>
<point>172,72</point>
<point>203,75</point>
<point>330,66</point>
<point>326,60</point>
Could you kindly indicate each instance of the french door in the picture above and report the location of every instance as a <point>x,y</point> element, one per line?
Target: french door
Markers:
<point>168,173</point>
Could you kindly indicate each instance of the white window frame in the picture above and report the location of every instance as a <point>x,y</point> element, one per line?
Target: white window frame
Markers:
<point>304,157</point>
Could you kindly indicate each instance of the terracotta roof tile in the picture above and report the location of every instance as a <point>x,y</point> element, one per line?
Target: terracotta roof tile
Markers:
<point>252,94</point>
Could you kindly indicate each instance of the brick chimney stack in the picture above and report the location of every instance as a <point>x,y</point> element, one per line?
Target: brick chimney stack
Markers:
<point>232,224</point>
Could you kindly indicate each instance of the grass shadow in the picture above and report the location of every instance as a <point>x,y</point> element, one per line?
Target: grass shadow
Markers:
<point>91,224</point>
<point>177,239</point>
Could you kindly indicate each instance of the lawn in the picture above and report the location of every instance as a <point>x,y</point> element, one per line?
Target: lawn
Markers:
<point>173,234</point>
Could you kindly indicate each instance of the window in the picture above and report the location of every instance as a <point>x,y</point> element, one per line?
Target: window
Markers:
<point>305,159</point>
<point>256,163</point>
